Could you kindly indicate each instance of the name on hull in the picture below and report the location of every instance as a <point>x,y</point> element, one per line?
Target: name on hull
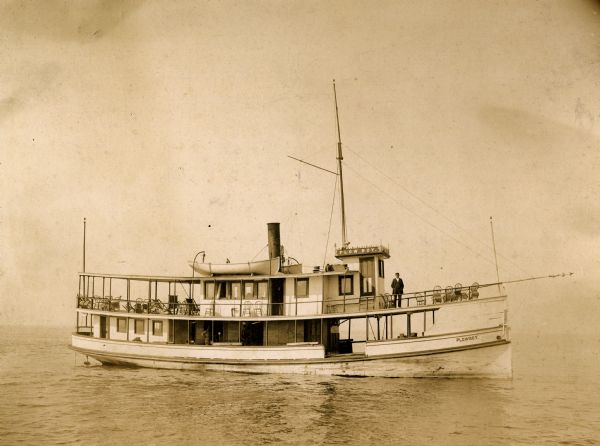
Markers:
<point>466,338</point>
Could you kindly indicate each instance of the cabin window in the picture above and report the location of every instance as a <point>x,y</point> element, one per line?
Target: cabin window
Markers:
<point>221,290</point>
<point>346,285</point>
<point>139,326</point>
<point>121,325</point>
<point>381,268</point>
<point>236,290</point>
<point>367,276</point>
<point>301,288</point>
<point>262,289</point>
<point>157,328</point>
<point>209,291</point>
<point>249,290</point>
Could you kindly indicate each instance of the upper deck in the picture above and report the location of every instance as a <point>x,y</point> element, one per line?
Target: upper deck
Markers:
<point>293,295</point>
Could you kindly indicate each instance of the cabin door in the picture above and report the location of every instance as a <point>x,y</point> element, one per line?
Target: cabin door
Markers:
<point>277,297</point>
<point>103,327</point>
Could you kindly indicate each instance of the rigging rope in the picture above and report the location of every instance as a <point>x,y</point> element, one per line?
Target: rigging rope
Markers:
<point>330,220</point>
<point>261,250</point>
<point>445,217</point>
<point>418,216</point>
<point>504,282</point>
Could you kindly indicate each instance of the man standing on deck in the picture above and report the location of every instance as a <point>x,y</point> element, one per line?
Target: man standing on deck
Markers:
<point>397,290</point>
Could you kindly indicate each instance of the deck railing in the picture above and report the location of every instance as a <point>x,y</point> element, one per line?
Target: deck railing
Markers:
<point>258,308</point>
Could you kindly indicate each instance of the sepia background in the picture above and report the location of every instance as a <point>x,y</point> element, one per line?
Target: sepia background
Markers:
<point>168,126</point>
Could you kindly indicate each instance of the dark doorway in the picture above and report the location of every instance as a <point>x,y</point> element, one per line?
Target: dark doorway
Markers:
<point>103,327</point>
<point>252,333</point>
<point>180,332</point>
<point>277,297</point>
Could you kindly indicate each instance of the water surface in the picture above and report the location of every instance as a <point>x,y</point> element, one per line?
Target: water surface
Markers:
<point>50,397</point>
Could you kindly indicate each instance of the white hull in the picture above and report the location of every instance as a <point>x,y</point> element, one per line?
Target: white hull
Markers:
<point>475,355</point>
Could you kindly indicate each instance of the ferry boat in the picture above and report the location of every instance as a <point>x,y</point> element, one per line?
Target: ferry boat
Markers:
<point>276,316</point>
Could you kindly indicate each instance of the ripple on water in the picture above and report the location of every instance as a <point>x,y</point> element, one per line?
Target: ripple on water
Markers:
<point>51,398</point>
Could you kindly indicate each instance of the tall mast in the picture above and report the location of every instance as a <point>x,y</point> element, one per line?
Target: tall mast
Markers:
<point>339,160</point>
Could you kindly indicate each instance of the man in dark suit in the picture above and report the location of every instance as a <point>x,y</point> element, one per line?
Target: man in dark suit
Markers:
<point>397,290</point>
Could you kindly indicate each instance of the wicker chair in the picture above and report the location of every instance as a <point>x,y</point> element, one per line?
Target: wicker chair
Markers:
<point>437,295</point>
<point>474,291</point>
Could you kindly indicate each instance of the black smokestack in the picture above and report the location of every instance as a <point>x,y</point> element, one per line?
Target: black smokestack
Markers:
<point>274,240</point>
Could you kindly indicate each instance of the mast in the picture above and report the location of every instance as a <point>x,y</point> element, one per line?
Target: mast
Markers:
<point>339,160</point>
<point>84,244</point>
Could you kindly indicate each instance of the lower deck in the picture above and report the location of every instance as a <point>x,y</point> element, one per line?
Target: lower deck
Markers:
<point>482,353</point>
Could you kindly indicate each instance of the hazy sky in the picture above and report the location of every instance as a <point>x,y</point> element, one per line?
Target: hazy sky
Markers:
<point>168,125</point>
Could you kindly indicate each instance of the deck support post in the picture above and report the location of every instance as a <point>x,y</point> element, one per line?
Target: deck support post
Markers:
<point>295,330</point>
<point>408,328</point>
<point>378,329</point>
<point>321,332</point>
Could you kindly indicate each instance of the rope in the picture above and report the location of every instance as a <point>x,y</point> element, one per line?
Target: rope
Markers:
<point>421,218</point>
<point>330,220</point>
<point>261,250</point>
<point>504,282</point>
<point>434,209</point>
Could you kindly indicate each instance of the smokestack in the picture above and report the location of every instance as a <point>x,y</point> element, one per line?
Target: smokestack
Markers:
<point>274,240</point>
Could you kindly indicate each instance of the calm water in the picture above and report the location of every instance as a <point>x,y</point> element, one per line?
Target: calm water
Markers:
<point>49,397</point>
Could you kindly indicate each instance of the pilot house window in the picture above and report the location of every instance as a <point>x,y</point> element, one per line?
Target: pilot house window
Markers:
<point>346,285</point>
<point>367,276</point>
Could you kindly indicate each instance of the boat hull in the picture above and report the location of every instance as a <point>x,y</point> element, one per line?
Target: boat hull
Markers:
<point>490,359</point>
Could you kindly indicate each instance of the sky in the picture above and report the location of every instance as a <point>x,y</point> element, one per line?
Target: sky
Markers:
<point>168,126</point>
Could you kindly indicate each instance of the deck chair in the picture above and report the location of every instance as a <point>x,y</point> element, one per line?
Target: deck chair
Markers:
<point>474,291</point>
<point>437,295</point>
<point>258,309</point>
<point>420,298</point>
<point>457,291</point>
<point>448,292</point>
